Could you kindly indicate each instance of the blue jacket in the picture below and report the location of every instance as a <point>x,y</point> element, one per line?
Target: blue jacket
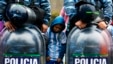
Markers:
<point>44,4</point>
<point>56,44</point>
<point>71,10</point>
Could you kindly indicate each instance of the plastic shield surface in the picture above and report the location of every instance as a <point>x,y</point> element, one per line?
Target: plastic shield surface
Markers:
<point>89,46</point>
<point>24,45</point>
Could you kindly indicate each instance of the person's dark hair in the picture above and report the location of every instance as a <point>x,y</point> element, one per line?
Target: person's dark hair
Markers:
<point>85,12</point>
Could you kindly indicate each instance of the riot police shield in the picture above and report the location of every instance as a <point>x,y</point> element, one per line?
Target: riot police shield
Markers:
<point>89,46</point>
<point>25,45</point>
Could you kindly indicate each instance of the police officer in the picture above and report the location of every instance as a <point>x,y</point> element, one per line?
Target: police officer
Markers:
<point>105,5</point>
<point>86,40</point>
<point>44,4</point>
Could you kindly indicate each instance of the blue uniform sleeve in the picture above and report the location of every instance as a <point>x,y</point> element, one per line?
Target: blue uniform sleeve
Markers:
<point>69,6</point>
<point>2,8</point>
<point>107,9</point>
<point>45,4</point>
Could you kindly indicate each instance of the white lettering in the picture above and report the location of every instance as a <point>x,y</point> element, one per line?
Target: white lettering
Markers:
<point>12,61</point>
<point>35,61</point>
<point>95,61</point>
<point>90,61</point>
<point>83,61</point>
<point>26,60</point>
<point>20,61</point>
<point>104,61</point>
<point>77,61</point>
<point>6,60</point>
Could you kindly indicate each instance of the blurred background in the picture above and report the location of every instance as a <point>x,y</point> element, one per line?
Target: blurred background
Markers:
<point>56,6</point>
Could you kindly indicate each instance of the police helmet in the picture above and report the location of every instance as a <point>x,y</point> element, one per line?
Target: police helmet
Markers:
<point>87,13</point>
<point>19,14</point>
